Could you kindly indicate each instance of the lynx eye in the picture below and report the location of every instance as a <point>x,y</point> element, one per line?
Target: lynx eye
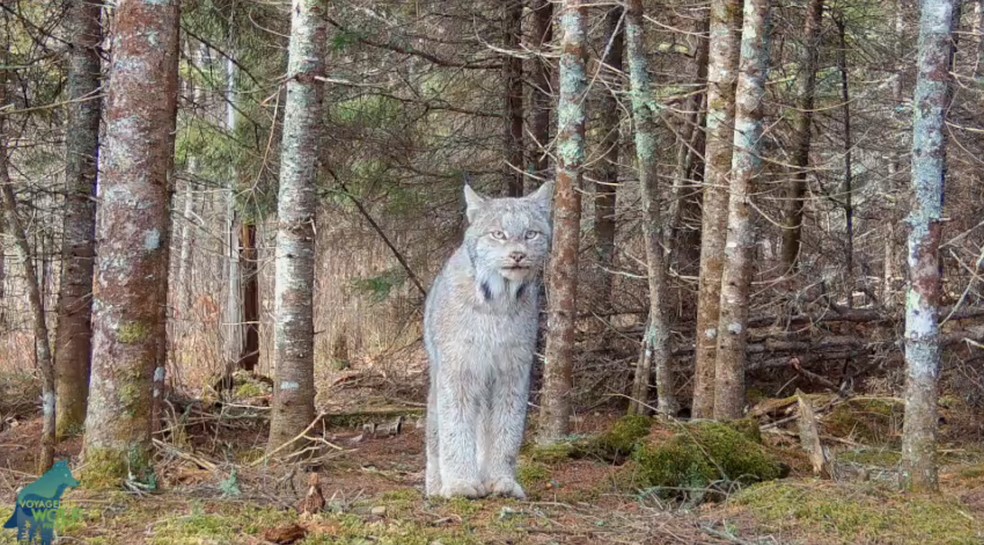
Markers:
<point>498,235</point>
<point>530,235</point>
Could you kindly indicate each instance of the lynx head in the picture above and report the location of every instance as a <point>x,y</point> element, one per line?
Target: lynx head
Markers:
<point>508,239</point>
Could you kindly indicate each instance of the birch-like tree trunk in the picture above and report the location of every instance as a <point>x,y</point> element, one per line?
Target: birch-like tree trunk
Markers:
<point>188,222</point>
<point>541,97</point>
<point>233,307</point>
<point>806,84</point>
<point>73,333</point>
<point>922,329</point>
<point>722,73</point>
<point>562,274</point>
<point>605,188</point>
<point>512,82</point>
<point>293,328</point>
<point>657,336</point>
<point>132,232</point>
<point>46,456</point>
<point>736,278</point>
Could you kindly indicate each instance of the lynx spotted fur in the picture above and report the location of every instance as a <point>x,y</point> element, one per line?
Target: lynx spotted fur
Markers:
<point>480,324</point>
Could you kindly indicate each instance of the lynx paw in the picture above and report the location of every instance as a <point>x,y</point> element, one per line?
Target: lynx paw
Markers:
<point>505,486</point>
<point>467,489</point>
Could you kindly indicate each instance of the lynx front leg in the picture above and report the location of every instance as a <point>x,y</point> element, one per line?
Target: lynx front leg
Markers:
<point>432,486</point>
<point>504,428</point>
<point>457,412</point>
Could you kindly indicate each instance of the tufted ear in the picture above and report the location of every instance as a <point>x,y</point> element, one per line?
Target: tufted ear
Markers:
<point>473,203</point>
<point>543,197</point>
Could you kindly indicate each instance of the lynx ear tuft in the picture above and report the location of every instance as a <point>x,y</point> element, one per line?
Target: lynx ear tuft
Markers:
<point>543,196</point>
<point>473,203</point>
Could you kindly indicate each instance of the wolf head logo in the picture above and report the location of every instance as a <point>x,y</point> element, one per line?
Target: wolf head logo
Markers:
<point>37,505</point>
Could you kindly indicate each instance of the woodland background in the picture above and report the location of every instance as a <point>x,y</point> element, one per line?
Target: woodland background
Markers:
<point>422,97</point>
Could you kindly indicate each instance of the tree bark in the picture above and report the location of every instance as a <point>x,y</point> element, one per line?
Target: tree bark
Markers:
<point>132,234</point>
<point>512,81</point>
<point>293,331</point>
<point>657,337</point>
<point>606,186</point>
<point>721,78</point>
<point>73,332</point>
<point>922,329</point>
<point>541,95</point>
<point>806,84</point>
<point>736,278</point>
<point>563,269</point>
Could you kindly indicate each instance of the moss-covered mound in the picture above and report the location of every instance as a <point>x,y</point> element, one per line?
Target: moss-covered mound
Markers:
<point>702,455</point>
<point>619,442</point>
<point>832,513</point>
<point>872,421</point>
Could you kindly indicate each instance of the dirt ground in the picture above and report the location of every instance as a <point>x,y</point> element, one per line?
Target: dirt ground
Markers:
<point>216,489</point>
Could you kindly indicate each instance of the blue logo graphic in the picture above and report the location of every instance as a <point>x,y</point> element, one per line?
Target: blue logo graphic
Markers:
<point>37,505</point>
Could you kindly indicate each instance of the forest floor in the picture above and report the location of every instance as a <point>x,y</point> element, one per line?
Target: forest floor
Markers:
<point>215,489</point>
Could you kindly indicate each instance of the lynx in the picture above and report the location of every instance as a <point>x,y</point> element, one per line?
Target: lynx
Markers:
<point>480,323</point>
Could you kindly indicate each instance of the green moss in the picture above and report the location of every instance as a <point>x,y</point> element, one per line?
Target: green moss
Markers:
<point>220,524</point>
<point>621,440</point>
<point>132,333</point>
<point>749,427</point>
<point>250,389</point>
<point>532,474</point>
<point>552,454</point>
<point>872,421</point>
<point>860,515</point>
<point>971,473</point>
<point>879,457</point>
<point>107,468</point>
<point>701,454</point>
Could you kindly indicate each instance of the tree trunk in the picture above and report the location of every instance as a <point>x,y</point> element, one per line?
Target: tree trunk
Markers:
<point>512,81</point>
<point>562,274</point>
<point>233,315</point>
<point>892,267</point>
<point>605,187</point>
<point>541,95</point>
<point>806,84</point>
<point>922,330</point>
<point>293,329</point>
<point>736,278</point>
<point>185,255</point>
<point>132,232</point>
<point>73,333</point>
<point>721,77</point>
<point>46,457</point>
<point>657,337</point>
<point>250,356</point>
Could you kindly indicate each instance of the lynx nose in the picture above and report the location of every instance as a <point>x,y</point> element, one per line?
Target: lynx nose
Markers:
<point>517,256</point>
